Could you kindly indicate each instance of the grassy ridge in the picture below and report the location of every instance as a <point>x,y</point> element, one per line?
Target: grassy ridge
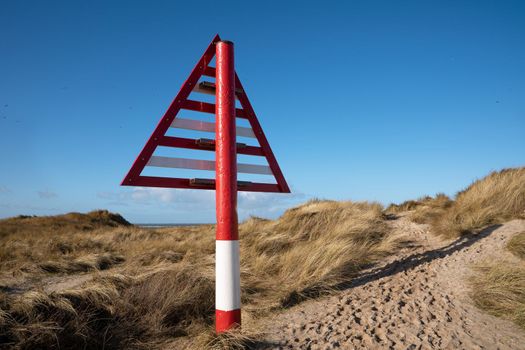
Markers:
<point>423,210</point>
<point>496,198</point>
<point>25,224</point>
<point>157,287</point>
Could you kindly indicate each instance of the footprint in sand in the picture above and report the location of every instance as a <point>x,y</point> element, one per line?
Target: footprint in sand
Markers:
<point>419,302</point>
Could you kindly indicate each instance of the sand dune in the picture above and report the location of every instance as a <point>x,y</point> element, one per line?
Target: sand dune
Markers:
<point>419,300</point>
<point>399,278</point>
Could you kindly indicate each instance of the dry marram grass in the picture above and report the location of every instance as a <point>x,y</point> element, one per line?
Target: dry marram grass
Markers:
<point>494,199</point>
<point>499,288</point>
<point>517,245</point>
<point>423,210</point>
<point>94,281</point>
<point>103,283</point>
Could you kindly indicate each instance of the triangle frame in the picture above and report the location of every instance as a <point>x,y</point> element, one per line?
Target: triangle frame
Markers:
<point>181,101</point>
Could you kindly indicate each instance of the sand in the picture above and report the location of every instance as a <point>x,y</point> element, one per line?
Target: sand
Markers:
<point>417,300</point>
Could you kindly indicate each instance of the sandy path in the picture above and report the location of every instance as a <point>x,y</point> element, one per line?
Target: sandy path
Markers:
<point>417,301</point>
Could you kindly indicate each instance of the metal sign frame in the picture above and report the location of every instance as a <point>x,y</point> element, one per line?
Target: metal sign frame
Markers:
<point>181,101</point>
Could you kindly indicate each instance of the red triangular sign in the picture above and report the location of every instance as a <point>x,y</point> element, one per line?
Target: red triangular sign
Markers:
<point>182,101</point>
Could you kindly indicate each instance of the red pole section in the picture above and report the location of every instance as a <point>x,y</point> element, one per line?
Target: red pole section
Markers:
<point>227,264</point>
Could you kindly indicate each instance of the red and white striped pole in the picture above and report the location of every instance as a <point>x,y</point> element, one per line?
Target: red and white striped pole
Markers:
<point>227,264</point>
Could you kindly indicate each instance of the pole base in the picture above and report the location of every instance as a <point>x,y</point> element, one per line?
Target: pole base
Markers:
<point>225,320</point>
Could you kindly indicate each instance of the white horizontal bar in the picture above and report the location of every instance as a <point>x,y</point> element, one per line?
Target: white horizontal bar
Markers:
<point>254,169</point>
<point>196,164</point>
<point>184,163</point>
<point>190,124</point>
<point>206,90</point>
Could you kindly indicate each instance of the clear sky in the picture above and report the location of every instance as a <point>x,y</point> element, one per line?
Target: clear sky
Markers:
<point>360,100</point>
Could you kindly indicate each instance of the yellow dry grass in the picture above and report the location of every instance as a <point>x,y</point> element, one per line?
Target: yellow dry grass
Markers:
<point>517,245</point>
<point>496,198</point>
<point>422,210</point>
<point>94,281</point>
<point>499,288</point>
<point>132,288</point>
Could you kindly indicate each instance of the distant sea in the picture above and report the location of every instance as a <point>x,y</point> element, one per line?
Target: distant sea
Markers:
<point>167,225</point>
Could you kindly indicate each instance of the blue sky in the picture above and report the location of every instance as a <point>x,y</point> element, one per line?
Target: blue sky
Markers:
<point>360,100</point>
